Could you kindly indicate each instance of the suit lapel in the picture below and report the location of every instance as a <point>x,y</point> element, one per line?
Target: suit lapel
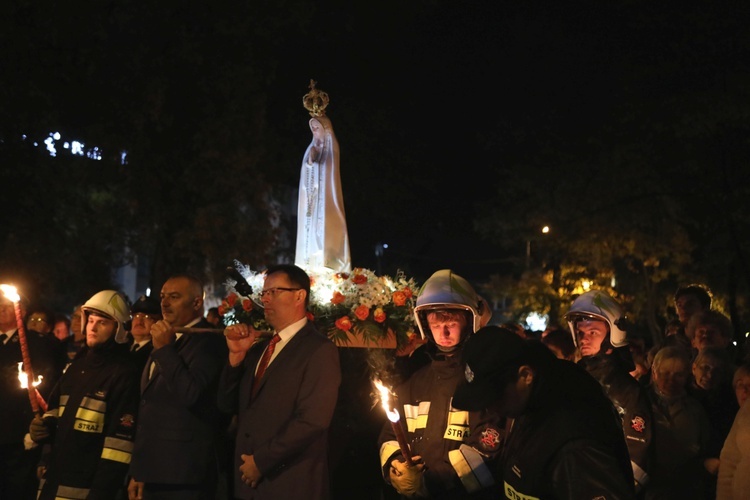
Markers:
<point>278,361</point>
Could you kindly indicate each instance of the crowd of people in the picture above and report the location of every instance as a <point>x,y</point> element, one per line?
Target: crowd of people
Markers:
<point>156,399</point>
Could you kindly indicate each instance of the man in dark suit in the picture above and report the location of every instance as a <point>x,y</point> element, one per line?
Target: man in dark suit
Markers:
<point>145,312</point>
<point>282,430</point>
<point>179,425</point>
<point>17,464</point>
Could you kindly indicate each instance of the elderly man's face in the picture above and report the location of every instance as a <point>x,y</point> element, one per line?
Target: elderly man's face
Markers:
<point>707,335</point>
<point>707,372</point>
<point>671,377</point>
<point>7,314</point>
<point>38,322</point>
<point>180,304</point>
<point>141,325</point>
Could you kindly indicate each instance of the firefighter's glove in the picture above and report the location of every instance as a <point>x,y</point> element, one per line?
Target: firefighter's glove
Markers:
<point>40,429</point>
<point>408,480</point>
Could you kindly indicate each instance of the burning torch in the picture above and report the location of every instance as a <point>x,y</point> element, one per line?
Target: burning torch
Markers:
<point>38,405</point>
<point>393,416</point>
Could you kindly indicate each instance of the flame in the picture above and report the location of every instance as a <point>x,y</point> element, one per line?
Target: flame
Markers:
<point>385,395</point>
<point>23,379</point>
<point>10,293</point>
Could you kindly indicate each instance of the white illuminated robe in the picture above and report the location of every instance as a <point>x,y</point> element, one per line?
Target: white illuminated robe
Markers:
<point>322,238</point>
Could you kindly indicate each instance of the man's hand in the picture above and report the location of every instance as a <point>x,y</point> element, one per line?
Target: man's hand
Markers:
<point>240,338</point>
<point>251,475</point>
<point>135,489</point>
<point>39,431</point>
<point>408,480</point>
<point>162,334</point>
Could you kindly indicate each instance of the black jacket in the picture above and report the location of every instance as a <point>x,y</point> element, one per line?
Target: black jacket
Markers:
<point>568,443</point>
<point>94,406</point>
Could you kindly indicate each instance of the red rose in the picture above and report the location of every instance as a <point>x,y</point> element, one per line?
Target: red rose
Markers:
<point>310,316</point>
<point>338,298</point>
<point>359,279</point>
<point>247,305</point>
<point>222,309</point>
<point>344,323</point>
<point>407,291</point>
<point>379,315</point>
<point>232,299</point>
<point>362,312</point>
<point>399,298</point>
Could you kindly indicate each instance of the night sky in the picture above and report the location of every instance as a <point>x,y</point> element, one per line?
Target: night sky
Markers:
<point>443,89</point>
<point>433,102</point>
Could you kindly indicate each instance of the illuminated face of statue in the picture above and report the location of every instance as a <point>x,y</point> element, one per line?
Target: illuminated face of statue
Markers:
<point>318,132</point>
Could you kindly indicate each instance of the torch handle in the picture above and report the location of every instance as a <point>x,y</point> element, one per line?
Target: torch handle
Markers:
<point>26,357</point>
<point>401,438</point>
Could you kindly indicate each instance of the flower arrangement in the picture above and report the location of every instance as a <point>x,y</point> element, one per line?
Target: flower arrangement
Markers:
<point>238,309</point>
<point>358,303</point>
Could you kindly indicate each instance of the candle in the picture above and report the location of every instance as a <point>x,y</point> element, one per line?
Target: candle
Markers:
<point>12,295</point>
<point>395,419</point>
<point>24,381</point>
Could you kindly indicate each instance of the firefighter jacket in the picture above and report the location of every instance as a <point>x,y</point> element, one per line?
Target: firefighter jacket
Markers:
<point>632,404</point>
<point>567,444</point>
<point>94,407</point>
<point>457,447</point>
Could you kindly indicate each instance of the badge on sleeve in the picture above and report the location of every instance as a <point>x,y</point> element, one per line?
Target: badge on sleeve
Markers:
<point>489,438</point>
<point>638,423</point>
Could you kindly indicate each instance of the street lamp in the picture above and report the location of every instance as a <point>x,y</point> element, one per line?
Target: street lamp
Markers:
<point>545,230</point>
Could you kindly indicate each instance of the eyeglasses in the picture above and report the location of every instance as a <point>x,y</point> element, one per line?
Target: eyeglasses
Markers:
<point>145,317</point>
<point>37,320</point>
<point>273,292</point>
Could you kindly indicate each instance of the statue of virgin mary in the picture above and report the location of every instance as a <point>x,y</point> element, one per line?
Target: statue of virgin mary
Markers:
<point>322,238</point>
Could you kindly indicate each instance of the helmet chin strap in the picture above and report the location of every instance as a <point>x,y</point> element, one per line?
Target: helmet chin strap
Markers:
<point>447,350</point>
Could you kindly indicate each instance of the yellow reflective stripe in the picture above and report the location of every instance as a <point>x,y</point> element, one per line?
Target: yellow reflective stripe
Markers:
<point>511,493</point>
<point>471,468</point>
<point>90,415</point>
<point>387,449</point>
<point>456,433</point>
<point>71,493</point>
<point>416,415</point>
<point>118,444</point>
<point>118,450</point>
<point>116,455</point>
<point>52,413</point>
<point>94,404</point>
<point>63,403</point>
<point>85,426</point>
<point>463,469</point>
<point>458,425</point>
<point>458,417</point>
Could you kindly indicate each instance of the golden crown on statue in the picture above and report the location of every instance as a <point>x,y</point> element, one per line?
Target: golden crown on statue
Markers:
<point>315,101</point>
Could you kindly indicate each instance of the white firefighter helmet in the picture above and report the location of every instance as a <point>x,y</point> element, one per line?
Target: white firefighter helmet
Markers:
<point>113,305</point>
<point>447,290</point>
<point>598,305</point>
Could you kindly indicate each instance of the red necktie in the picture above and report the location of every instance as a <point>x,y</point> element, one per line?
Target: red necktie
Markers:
<point>264,362</point>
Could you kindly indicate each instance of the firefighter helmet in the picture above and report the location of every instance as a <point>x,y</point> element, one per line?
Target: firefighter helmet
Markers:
<point>598,305</point>
<point>447,290</point>
<point>111,304</point>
